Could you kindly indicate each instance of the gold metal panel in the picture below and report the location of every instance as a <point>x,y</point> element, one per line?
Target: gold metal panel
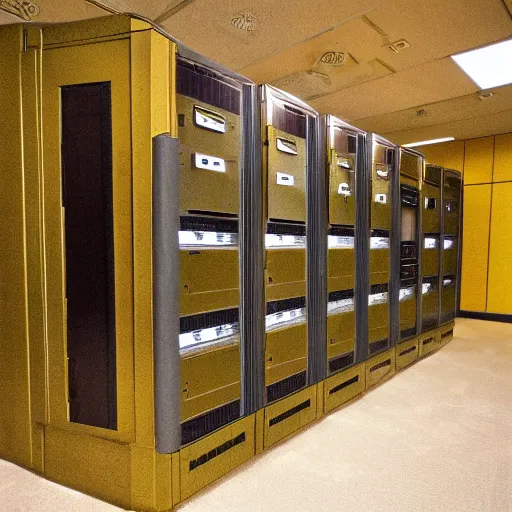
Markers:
<point>344,386</point>
<point>446,333</point>
<point>340,334</point>
<point>285,273</point>
<point>408,313</point>
<point>431,216</point>
<point>276,430</point>
<point>429,341</point>
<point>194,477</point>
<point>379,266</point>
<point>378,322</point>
<point>92,465</point>
<point>15,345</point>
<point>100,62</point>
<point>341,190</point>
<point>411,165</point>
<point>209,379</point>
<point>202,189</point>
<point>285,352</point>
<point>406,353</point>
<point>430,261</point>
<point>380,367</point>
<point>286,198</point>
<point>209,279</point>
<point>340,269</point>
<point>430,302</point>
<point>450,260</point>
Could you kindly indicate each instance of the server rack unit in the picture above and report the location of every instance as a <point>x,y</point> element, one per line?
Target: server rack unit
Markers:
<point>345,160</point>
<point>451,201</point>
<point>411,172</point>
<point>381,190</point>
<point>289,135</point>
<point>431,246</point>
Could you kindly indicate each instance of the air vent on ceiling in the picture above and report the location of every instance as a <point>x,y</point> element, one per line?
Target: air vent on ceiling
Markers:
<point>486,95</point>
<point>333,58</point>
<point>23,9</point>
<point>399,45</point>
<point>245,21</point>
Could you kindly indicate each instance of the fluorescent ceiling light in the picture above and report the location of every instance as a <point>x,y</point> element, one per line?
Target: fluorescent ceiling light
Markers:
<point>425,142</point>
<point>488,67</point>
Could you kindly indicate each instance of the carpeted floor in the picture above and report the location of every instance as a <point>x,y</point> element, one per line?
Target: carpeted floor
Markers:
<point>437,437</point>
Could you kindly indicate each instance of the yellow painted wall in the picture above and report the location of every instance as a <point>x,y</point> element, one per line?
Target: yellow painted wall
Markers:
<point>15,421</point>
<point>499,296</point>
<point>475,243</point>
<point>487,237</point>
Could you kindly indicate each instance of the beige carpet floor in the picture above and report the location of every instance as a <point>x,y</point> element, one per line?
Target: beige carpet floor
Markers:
<point>437,437</point>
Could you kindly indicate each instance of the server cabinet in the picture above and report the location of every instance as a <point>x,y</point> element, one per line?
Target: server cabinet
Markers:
<point>450,247</point>
<point>342,164</point>
<point>285,125</point>
<point>431,246</point>
<point>411,171</point>
<point>210,111</point>
<point>382,166</point>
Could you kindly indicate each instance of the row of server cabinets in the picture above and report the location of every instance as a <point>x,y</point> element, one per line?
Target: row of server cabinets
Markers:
<point>285,247</point>
<point>357,242</point>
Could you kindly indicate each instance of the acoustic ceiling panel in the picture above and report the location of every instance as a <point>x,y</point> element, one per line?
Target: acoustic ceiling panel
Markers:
<point>455,109</point>
<point>434,81</point>
<point>500,122</point>
<point>237,34</point>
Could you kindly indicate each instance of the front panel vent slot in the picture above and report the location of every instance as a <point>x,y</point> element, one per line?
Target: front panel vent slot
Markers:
<point>219,450</point>
<point>344,385</point>
<point>447,333</point>
<point>289,413</point>
<point>407,351</point>
<point>385,363</point>
<point>427,341</point>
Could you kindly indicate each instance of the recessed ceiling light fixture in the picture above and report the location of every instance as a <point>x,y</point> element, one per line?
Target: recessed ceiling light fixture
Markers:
<point>425,142</point>
<point>488,67</point>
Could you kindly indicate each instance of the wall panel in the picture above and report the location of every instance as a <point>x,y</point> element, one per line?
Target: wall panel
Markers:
<point>448,154</point>
<point>499,296</point>
<point>503,158</point>
<point>478,160</point>
<point>475,243</point>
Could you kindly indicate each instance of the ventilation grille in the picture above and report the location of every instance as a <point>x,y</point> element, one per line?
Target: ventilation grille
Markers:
<point>285,387</point>
<point>219,450</point>
<point>206,320</point>
<point>385,363</point>
<point>341,362</point>
<point>377,346</point>
<point>408,333</point>
<point>447,334</point>
<point>428,341</point>
<point>408,351</point>
<point>207,423</point>
<point>344,385</point>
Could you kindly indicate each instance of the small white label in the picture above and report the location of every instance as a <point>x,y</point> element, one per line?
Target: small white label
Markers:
<point>407,293</point>
<point>430,243</point>
<point>426,287</point>
<point>289,241</point>
<point>287,180</point>
<point>285,318</point>
<point>209,163</point>
<point>448,243</point>
<point>377,298</point>
<point>206,238</point>
<point>336,307</point>
<point>344,189</point>
<point>379,242</point>
<point>381,198</point>
<point>340,242</point>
